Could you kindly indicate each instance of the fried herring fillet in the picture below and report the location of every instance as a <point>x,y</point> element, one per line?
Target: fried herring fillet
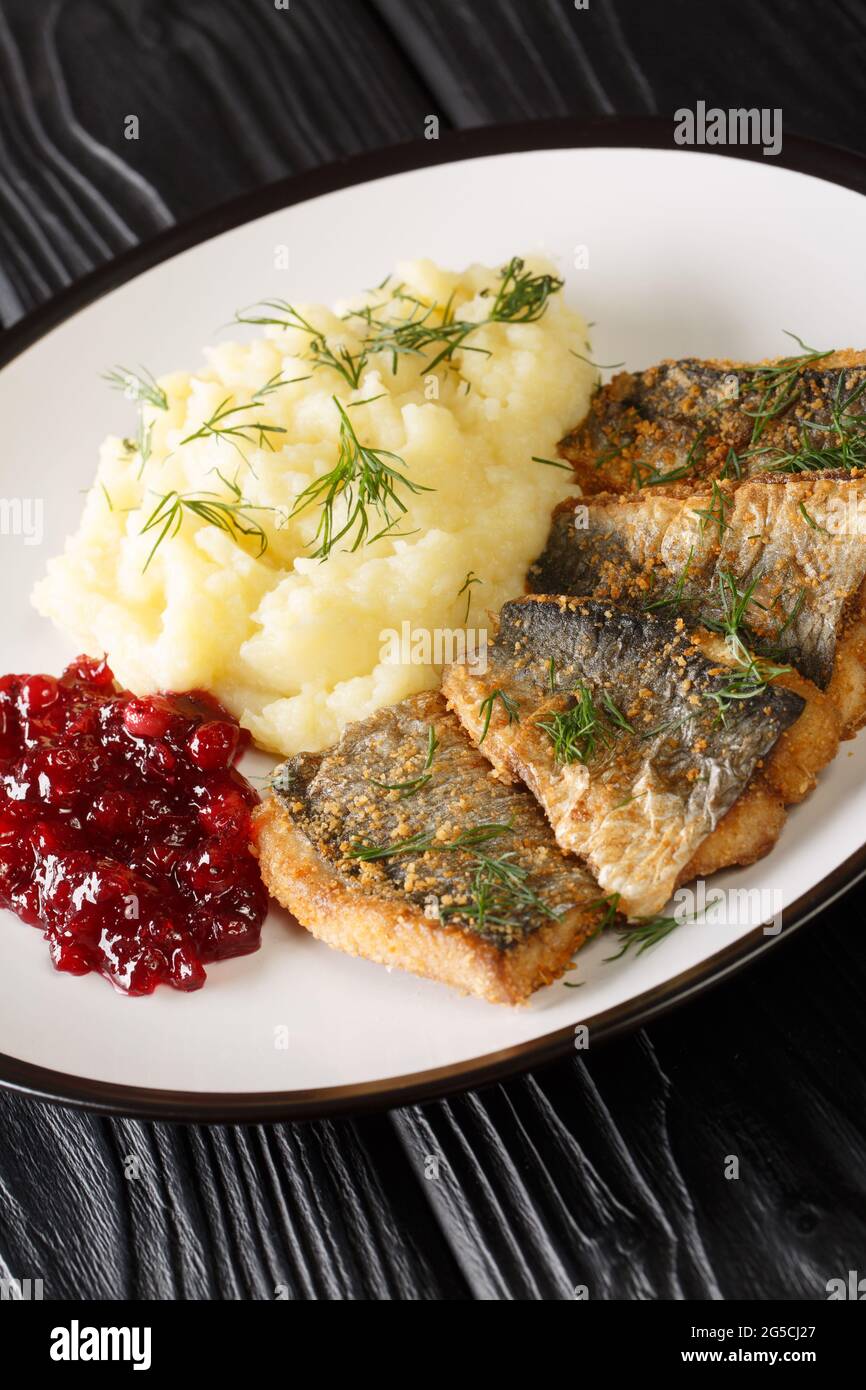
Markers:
<point>710,419</point>
<point>785,557</point>
<point>639,736</point>
<point>449,873</point>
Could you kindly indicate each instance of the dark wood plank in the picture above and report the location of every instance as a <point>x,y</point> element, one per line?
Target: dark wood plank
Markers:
<point>228,96</point>
<point>608,1171</point>
<point>507,60</point>
<point>114,1209</point>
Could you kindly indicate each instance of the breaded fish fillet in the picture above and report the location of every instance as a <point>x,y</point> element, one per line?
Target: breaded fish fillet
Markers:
<point>652,751</point>
<point>782,559</point>
<point>697,420</point>
<point>444,871</point>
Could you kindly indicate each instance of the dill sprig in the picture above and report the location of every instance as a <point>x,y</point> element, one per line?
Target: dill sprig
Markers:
<point>673,596</point>
<point>426,325</point>
<point>234,516</point>
<point>649,931</point>
<point>275,383</point>
<point>466,588</point>
<point>576,733</point>
<point>414,784</point>
<point>716,513</point>
<point>732,624</point>
<point>647,475</point>
<point>279,313</point>
<point>746,682</point>
<point>365,478</point>
<point>646,933</point>
<point>521,296</point>
<point>142,443</point>
<point>778,386</point>
<point>137,386</point>
<point>224,424</point>
<point>485,710</point>
<point>425,840</point>
<point>500,889</point>
<point>845,440</point>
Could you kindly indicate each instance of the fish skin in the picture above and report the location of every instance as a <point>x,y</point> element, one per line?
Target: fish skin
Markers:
<point>655,548</point>
<point>680,419</point>
<point>640,809</point>
<point>323,793</point>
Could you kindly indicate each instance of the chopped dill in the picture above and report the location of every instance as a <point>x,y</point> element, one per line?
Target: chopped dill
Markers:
<point>553,463</point>
<point>415,783</point>
<point>485,710</point>
<point>137,387</point>
<point>426,840</point>
<point>576,733</point>
<point>777,383</point>
<point>810,520</point>
<point>717,511</point>
<point>466,588</point>
<point>649,931</point>
<point>500,889</point>
<point>233,517</point>
<point>223,424</point>
<point>275,383</point>
<point>673,597</point>
<point>365,478</point>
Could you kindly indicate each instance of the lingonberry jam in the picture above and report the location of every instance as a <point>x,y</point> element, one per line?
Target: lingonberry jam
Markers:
<point>124,828</point>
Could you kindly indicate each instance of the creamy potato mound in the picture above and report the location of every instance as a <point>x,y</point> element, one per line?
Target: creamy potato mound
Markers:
<point>296,645</point>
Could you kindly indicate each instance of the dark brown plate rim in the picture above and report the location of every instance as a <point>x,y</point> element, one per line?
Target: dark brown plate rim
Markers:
<point>800,155</point>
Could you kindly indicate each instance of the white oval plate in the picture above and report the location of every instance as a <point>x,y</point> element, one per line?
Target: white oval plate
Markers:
<point>689,254</point>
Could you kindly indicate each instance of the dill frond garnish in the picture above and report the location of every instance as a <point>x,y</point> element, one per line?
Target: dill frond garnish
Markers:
<point>466,588</point>
<point>734,603</point>
<point>234,517</point>
<point>275,383</point>
<point>777,383</point>
<point>500,888</point>
<point>576,733</point>
<point>426,840</point>
<point>142,443</point>
<point>717,511</point>
<point>223,424</point>
<point>647,475</point>
<point>365,478</point>
<point>649,931</point>
<point>844,446</point>
<point>278,313</point>
<point>673,597</point>
<point>553,463</point>
<point>810,520</point>
<point>414,784</point>
<point>746,682</point>
<point>485,710</point>
<point>522,297</point>
<point>137,386</point>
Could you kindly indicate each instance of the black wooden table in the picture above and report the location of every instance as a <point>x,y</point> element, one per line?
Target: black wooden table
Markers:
<point>607,1172</point>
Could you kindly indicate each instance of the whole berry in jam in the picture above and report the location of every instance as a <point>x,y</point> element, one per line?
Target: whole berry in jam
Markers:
<point>124,828</point>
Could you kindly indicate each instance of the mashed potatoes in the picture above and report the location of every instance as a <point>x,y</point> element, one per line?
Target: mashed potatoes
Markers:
<point>230,594</point>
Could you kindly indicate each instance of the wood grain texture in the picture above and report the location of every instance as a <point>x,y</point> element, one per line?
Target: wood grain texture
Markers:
<point>607,1170</point>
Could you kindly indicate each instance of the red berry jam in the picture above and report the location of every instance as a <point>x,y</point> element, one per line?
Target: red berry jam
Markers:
<point>125,828</point>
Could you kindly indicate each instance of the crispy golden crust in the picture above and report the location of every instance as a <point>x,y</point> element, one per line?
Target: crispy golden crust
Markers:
<point>401,935</point>
<point>747,831</point>
<point>801,751</point>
